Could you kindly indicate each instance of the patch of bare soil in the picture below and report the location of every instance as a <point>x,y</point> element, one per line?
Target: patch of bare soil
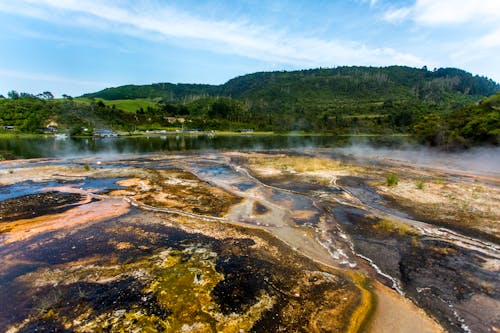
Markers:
<point>75,217</point>
<point>396,314</point>
<point>33,205</point>
<point>468,207</point>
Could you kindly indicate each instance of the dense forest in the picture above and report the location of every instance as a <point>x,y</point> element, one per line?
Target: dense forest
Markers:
<point>472,124</point>
<point>440,106</point>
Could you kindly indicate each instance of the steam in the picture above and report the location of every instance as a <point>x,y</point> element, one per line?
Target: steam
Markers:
<point>104,149</point>
<point>480,161</point>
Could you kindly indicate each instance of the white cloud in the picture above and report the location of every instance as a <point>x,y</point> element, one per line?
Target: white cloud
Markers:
<point>446,12</point>
<point>475,41</point>
<point>149,19</point>
<point>438,12</point>
<point>397,15</point>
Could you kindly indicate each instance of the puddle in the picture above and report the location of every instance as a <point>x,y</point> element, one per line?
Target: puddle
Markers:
<point>218,171</point>
<point>280,196</point>
<point>302,208</point>
<point>310,218</point>
<point>29,187</point>
<point>244,186</point>
<point>259,208</point>
<point>101,185</point>
<point>298,202</point>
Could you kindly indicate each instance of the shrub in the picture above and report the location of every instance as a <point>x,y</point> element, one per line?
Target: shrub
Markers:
<point>394,227</point>
<point>392,180</point>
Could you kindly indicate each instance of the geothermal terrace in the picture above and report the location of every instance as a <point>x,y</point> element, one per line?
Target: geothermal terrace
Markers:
<point>259,241</point>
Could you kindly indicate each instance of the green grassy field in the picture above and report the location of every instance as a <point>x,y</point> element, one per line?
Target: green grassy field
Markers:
<point>13,134</point>
<point>128,105</point>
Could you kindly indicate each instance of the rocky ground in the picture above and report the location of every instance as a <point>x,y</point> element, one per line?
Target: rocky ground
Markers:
<point>448,272</point>
<point>246,242</point>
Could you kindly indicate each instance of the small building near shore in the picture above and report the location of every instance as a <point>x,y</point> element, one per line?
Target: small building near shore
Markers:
<point>49,130</point>
<point>104,133</point>
<point>172,120</point>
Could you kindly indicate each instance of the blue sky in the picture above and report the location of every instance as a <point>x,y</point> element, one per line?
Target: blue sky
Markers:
<point>77,46</point>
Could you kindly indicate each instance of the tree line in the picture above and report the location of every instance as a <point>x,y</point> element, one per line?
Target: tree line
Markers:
<point>438,107</point>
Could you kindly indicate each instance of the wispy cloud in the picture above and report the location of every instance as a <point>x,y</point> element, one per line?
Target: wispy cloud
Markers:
<point>372,3</point>
<point>397,15</point>
<point>149,19</point>
<point>446,12</point>
<point>441,12</point>
<point>491,40</point>
<point>476,24</point>
<point>9,73</point>
<point>481,50</point>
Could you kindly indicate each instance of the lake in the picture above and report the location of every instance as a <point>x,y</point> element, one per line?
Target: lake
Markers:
<point>53,147</point>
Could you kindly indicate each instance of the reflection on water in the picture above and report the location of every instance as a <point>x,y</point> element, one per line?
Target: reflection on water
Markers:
<point>50,147</point>
<point>101,185</point>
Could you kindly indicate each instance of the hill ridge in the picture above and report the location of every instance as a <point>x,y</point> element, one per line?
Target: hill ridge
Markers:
<point>245,86</point>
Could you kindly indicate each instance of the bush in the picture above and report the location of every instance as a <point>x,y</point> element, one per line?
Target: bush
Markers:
<point>6,155</point>
<point>392,180</point>
<point>395,227</point>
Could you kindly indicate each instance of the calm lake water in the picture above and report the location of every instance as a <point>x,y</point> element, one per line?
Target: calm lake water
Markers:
<point>52,147</point>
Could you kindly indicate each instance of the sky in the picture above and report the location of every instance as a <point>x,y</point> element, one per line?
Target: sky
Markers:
<point>77,46</point>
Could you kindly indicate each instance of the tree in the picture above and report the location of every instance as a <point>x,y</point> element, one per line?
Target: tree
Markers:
<point>13,94</point>
<point>32,124</point>
<point>46,95</point>
<point>400,118</point>
<point>26,95</point>
<point>220,109</point>
<point>430,130</point>
<point>182,111</point>
<point>168,108</point>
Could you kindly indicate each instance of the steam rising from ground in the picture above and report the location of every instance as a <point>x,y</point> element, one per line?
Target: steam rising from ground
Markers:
<point>481,161</point>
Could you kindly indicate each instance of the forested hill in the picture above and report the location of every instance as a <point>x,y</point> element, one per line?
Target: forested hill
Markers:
<point>440,107</point>
<point>324,86</point>
<point>166,91</point>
